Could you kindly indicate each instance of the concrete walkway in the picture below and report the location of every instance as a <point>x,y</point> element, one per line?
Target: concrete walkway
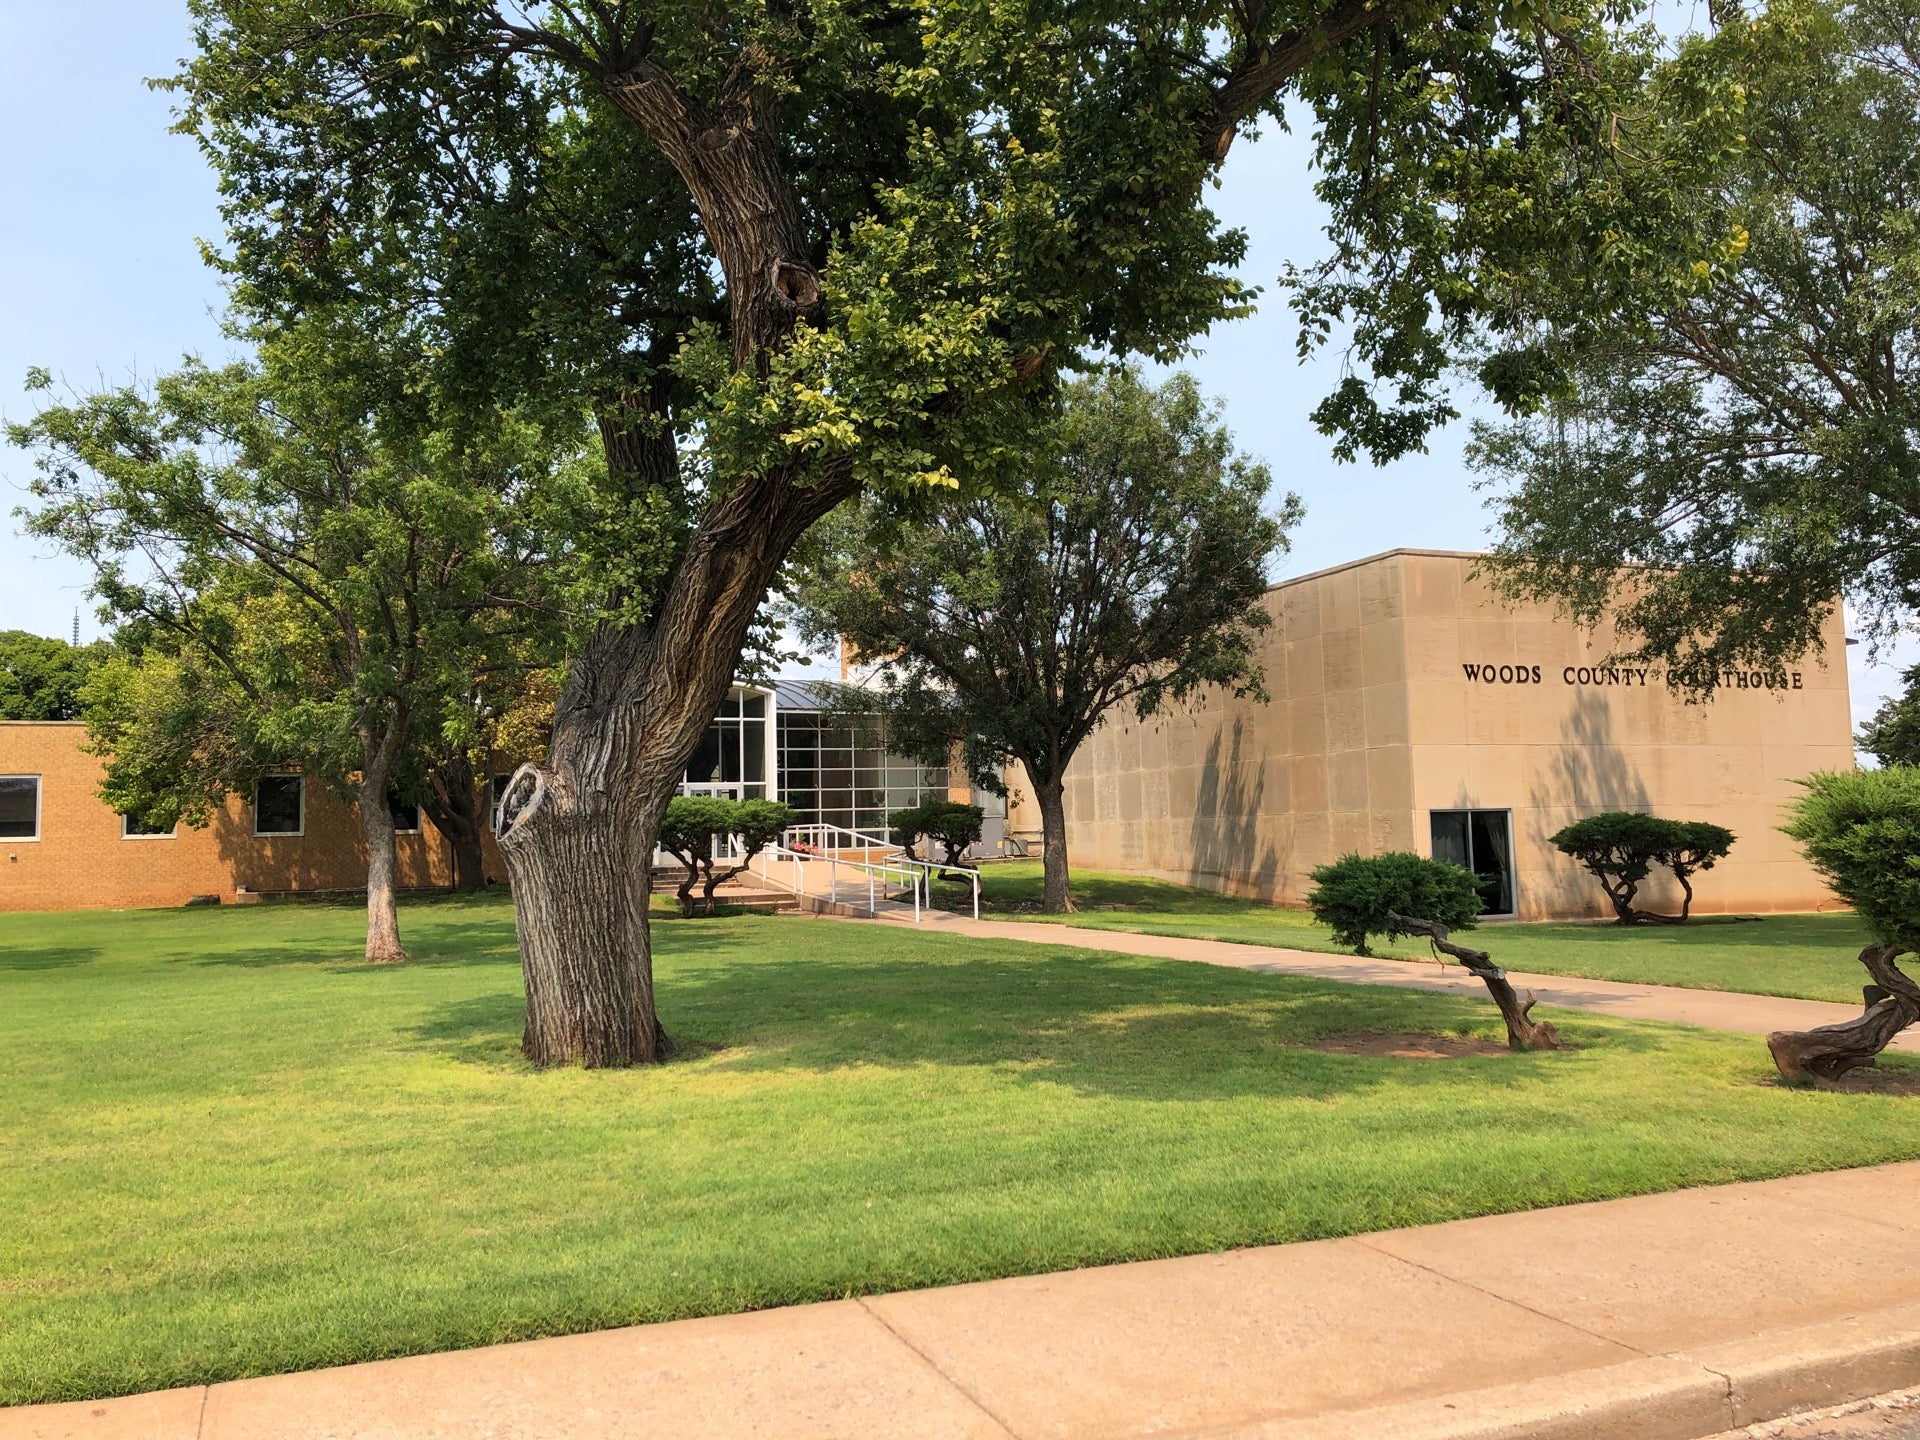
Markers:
<point>1714,1009</point>
<point>1659,1318</point>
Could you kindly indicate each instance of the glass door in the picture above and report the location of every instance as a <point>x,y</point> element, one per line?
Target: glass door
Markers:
<point>1481,841</point>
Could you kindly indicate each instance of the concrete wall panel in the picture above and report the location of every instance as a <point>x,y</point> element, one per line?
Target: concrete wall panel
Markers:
<point>1376,721</point>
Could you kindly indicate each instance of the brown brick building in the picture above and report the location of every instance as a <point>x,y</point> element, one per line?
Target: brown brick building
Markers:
<point>61,848</point>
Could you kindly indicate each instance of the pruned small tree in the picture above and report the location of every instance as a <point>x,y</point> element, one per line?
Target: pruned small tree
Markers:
<point>1861,830</point>
<point>1129,571</point>
<point>1400,893</point>
<point>1696,845</point>
<point>951,823</point>
<point>1619,848</point>
<point>695,826</point>
<point>1358,896</point>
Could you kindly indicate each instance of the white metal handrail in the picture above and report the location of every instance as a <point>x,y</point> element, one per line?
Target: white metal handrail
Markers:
<point>825,837</point>
<point>915,875</point>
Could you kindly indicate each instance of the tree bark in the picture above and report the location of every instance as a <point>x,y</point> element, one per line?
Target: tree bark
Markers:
<point>378,751</point>
<point>453,804</point>
<point>1056,895</point>
<point>1820,1057</point>
<point>728,156</point>
<point>579,831</point>
<point>383,915</point>
<point>1686,889</point>
<point>581,887</point>
<point>1523,1031</point>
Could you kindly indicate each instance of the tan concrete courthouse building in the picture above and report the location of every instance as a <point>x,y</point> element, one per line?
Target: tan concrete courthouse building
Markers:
<point>1415,710</point>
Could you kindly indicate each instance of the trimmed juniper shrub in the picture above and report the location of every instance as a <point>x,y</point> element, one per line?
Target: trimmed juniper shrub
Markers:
<point>1354,895</point>
<point>1861,830</point>
<point>1619,847</point>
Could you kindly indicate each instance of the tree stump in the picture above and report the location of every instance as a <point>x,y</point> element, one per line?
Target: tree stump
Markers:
<point>1523,1032</point>
<point>1820,1057</point>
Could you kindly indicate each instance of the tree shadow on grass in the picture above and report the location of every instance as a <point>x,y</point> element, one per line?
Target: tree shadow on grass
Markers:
<point>1097,1024</point>
<point>444,944</point>
<point>46,957</point>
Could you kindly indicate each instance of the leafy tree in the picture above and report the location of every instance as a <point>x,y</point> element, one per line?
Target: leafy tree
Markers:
<point>40,678</point>
<point>786,254</point>
<point>1130,570</point>
<point>1620,847</point>
<point>693,826</point>
<point>507,710</point>
<point>305,591</point>
<point>1861,830</point>
<point>1751,443</point>
<point>1892,736</point>
<point>1360,896</point>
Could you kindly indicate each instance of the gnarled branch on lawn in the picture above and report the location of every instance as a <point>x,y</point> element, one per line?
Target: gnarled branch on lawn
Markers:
<point>1523,1033</point>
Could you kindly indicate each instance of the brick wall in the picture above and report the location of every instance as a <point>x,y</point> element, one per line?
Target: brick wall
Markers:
<point>83,861</point>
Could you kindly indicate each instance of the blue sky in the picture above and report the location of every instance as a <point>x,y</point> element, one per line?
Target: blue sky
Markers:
<point>101,209</point>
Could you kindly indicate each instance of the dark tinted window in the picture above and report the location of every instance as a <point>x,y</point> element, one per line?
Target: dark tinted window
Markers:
<point>276,806</point>
<point>406,815</point>
<point>19,807</point>
<point>1481,841</point>
<point>131,824</point>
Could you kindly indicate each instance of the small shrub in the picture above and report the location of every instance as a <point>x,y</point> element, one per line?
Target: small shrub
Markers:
<point>1697,844</point>
<point>1353,896</point>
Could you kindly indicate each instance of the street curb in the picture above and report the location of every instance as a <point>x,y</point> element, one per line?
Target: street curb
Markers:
<point>1683,1395</point>
<point>1814,1366</point>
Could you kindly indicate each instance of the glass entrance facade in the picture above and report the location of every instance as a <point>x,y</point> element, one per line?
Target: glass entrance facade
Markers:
<point>834,769</point>
<point>732,757</point>
<point>1482,841</point>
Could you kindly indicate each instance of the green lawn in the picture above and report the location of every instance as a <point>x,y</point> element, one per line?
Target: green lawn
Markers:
<point>1806,957</point>
<point>231,1148</point>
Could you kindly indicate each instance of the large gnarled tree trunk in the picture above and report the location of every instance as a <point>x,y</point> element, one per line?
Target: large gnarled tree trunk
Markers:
<point>1820,1057</point>
<point>578,832</point>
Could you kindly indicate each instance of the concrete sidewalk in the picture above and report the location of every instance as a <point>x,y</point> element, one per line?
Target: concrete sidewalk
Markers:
<point>1659,1318</point>
<point>1714,1009</point>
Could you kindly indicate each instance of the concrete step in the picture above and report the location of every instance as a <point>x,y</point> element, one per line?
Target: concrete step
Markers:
<point>747,892</point>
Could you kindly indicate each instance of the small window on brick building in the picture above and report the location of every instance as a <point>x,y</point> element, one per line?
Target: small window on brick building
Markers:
<point>19,807</point>
<point>279,806</point>
<point>133,827</point>
<point>406,815</point>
